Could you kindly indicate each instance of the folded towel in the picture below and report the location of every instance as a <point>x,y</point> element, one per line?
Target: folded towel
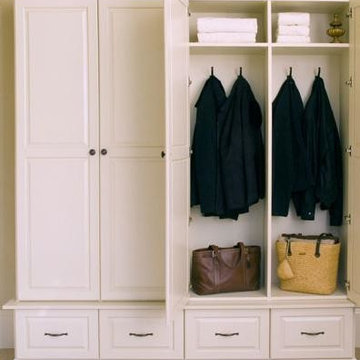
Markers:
<point>294,19</point>
<point>210,25</point>
<point>226,37</point>
<point>293,39</point>
<point>293,30</point>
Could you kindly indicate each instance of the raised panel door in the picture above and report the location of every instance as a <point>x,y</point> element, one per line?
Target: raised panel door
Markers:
<point>57,124</point>
<point>177,154</point>
<point>132,171</point>
<point>354,161</point>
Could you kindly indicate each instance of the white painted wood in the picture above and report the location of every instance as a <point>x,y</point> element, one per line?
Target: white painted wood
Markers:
<point>177,154</point>
<point>7,185</point>
<point>312,333</point>
<point>133,204</point>
<point>86,305</point>
<point>132,73</point>
<point>133,132</point>
<point>227,334</point>
<point>141,333</point>
<point>57,124</point>
<point>354,161</point>
<point>61,334</point>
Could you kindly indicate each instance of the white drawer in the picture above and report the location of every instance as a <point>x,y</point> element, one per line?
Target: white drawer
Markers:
<point>312,333</point>
<point>56,334</point>
<point>140,334</point>
<point>227,334</point>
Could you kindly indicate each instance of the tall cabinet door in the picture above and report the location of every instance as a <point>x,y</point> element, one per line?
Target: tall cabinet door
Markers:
<point>354,162</point>
<point>57,125</point>
<point>177,153</point>
<point>132,168</point>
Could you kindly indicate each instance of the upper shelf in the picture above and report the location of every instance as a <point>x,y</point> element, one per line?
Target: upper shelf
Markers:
<point>308,49</point>
<point>261,48</point>
<point>244,48</point>
<point>321,6</point>
<point>216,6</point>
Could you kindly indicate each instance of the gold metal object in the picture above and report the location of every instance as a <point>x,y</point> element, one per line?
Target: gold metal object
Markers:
<point>335,31</point>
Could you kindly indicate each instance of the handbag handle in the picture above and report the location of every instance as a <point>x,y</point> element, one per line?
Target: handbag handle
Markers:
<point>215,254</point>
<point>317,247</point>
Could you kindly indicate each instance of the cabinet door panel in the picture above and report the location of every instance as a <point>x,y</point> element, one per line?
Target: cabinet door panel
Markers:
<point>132,73</point>
<point>56,114</point>
<point>57,206</point>
<point>57,123</point>
<point>177,154</point>
<point>354,161</point>
<point>133,131</point>
<point>133,226</point>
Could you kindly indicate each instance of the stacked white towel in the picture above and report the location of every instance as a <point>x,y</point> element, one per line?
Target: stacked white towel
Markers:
<point>293,28</point>
<point>226,30</point>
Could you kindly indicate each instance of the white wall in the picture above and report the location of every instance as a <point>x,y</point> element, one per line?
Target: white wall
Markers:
<point>7,204</point>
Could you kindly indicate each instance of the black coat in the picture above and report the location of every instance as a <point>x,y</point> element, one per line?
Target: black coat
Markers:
<point>290,172</point>
<point>204,158</point>
<point>323,154</point>
<point>242,159</point>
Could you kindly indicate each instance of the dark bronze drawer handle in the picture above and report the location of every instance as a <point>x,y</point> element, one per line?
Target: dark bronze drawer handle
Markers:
<point>141,335</point>
<point>312,333</point>
<point>228,334</point>
<point>56,335</point>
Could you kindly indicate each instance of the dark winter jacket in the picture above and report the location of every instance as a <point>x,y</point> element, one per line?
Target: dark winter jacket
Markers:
<point>290,173</point>
<point>323,154</point>
<point>204,158</point>
<point>242,159</point>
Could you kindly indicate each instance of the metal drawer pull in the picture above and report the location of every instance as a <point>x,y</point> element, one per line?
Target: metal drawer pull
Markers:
<point>228,334</point>
<point>56,335</point>
<point>312,333</point>
<point>141,335</point>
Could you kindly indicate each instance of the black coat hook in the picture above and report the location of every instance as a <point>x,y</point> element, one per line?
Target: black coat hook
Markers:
<point>319,71</point>
<point>240,70</point>
<point>290,74</point>
<point>212,70</point>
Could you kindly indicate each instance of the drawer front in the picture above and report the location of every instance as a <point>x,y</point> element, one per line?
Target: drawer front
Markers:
<point>227,334</point>
<point>312,333</point>
<point>56,334</point>
<point>140,334</point>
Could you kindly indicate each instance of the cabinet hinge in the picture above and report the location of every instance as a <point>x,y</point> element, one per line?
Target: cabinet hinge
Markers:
<point>189,81</point>
<point>163,154</point>
<point>347,285</point>
<point>348,150</point>
<point>189,13</point>
<point>349,82</point>
<point>190,220</point>
<point>347,219</point>
<point>349,14</point>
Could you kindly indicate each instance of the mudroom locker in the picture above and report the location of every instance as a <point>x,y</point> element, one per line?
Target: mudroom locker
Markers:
<point>105,113</point>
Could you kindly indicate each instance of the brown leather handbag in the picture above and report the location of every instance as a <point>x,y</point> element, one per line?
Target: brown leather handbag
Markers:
<point>216,270</point>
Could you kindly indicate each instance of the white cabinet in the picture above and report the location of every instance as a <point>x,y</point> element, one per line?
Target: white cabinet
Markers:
<point>132,128</point>
<point>128,334</point>
<point>57,124</point>
<point>65,334</point>
<point>105,111</point>
<point>312,333</point>
<point>227,334</point>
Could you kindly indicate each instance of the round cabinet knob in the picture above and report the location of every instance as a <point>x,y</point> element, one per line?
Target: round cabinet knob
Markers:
<point>92,152</point>
<point>103,151</point>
